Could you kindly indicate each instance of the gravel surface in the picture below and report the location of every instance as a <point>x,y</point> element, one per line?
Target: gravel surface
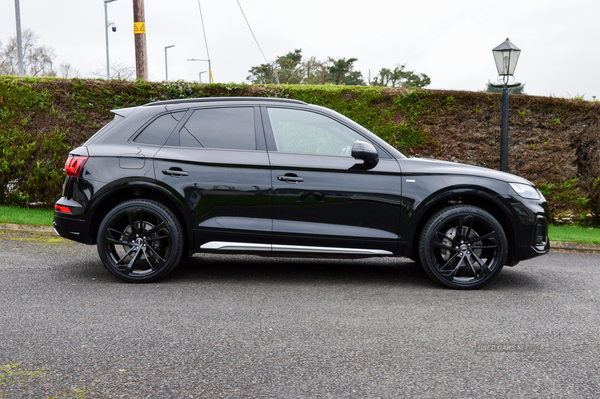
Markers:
<point>249,327</point>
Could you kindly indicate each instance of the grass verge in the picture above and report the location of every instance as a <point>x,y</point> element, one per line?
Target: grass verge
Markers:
<point>574,234</point>
<point>34,217</point>
<point>44,217</point>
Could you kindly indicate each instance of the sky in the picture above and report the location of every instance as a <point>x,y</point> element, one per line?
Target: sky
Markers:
<point>451,41</point>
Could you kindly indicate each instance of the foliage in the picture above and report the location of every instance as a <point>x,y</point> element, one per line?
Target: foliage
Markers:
<point>565,195</point>
<point>291,69</point>
<point>399,77</point>
<point>341,71</point>
<point>286,69</point>
<point>41,119</point>
<point>262,74</point>
<point>37,59</point>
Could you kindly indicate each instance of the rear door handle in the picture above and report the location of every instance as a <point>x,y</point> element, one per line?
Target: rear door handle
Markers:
<point>290,178</point>
<point>175,172</point>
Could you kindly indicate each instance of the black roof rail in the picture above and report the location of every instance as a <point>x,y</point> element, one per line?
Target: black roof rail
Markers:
<point>215,99</point>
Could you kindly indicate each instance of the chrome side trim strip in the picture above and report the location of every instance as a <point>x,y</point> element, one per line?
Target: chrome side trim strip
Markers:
<point>330,250</point>
<point>245,246</point>
<point>235,246</point>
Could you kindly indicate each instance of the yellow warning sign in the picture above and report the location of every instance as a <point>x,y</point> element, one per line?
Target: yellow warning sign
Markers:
<point>139,27</point>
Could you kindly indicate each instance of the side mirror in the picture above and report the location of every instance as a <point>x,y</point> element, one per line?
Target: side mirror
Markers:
<point>365,151</point>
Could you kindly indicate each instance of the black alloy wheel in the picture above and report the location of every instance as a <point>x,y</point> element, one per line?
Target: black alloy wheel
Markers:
<point>463,247</point>
<point>140,241</point>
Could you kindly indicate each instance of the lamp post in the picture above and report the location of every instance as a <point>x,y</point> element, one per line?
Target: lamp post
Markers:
<point>166,64</point>
<point>114,29</point>
<point>506,56</point>
<point>200,76</point>
<point>19,42</point>
<point>210,77</point>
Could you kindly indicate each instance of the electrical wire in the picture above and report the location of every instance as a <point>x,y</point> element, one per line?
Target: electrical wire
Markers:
<point>247,23</point>
<point>206,43</point>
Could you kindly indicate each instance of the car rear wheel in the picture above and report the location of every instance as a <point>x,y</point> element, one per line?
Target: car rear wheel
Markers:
<point>462,247</point>
<point>140,241</point>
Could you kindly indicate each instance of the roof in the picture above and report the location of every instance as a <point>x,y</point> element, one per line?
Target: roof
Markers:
<point>224,99</point>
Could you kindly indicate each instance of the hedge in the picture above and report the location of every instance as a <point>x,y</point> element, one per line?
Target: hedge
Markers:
<point>553,142</point>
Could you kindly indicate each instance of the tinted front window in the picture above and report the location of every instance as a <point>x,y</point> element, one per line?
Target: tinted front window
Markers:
<point>229,128</point>
<point>310,133</point>
<point>159,130</point>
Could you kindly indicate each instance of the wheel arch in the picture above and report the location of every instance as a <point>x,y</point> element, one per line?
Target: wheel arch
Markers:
<point>128,192</point>
<point>478,197</point>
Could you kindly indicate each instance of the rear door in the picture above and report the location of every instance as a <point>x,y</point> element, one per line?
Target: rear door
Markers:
<point>217,165</point>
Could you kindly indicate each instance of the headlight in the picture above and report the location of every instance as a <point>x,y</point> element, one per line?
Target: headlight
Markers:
<point>525,191</point>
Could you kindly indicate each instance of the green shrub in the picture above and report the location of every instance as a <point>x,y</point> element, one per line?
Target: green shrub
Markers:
<point>41,119</point>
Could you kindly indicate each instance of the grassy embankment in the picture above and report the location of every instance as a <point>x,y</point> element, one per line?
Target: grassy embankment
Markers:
<point>43,217</point>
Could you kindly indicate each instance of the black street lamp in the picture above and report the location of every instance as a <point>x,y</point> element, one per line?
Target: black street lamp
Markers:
<point>506,56</point>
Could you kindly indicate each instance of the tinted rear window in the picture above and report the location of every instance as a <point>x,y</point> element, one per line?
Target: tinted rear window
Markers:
<point>158,131</point>
<point>226,128</point>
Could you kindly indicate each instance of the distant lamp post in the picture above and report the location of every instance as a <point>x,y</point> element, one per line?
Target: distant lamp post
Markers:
<point>166,64</point>
<point>114,29</point>
<point>210,77</point>
<point>506,56</point>
<point>200,76</point>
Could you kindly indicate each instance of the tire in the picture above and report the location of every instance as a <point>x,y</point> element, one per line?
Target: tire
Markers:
<point>462,247</point>
<point>140,241</point>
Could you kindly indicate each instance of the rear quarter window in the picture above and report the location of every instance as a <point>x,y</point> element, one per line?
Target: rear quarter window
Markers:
<point>157,132</point>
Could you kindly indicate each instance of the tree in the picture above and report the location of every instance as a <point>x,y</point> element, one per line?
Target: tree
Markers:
<point>289,68</point>
<point>313,71</point>
<point>400,77</point>
<point>341,71</point>
<point>118,71</point>
<point>66,71</point>
<point>414,80</point>
<point>262,74</point>
<point>513,90</point>
<point>37,60</point>
<point>286,69</point>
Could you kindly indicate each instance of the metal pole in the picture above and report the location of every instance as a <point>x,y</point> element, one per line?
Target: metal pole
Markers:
<point>166,64</point>
<point>106,33</point>
<point>19,42</point>
<point>504,131</point>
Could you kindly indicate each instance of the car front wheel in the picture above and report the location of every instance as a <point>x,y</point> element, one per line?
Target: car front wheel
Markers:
<point>462,247</point>
<point>140,241</point>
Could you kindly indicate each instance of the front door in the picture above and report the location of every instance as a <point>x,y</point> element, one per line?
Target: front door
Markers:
<point>323,200</point>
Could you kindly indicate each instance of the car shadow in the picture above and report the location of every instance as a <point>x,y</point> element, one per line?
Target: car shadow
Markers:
<point>244,268</point>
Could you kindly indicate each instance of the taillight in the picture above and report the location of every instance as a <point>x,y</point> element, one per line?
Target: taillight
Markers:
<point>61,208</point>
<point>74,165</point>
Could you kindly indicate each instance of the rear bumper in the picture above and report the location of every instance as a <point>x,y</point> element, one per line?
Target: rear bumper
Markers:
<point>72,229</point>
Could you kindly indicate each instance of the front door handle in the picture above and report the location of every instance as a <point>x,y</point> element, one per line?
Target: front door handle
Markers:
<point>290,178</point>
<point>175,172</point>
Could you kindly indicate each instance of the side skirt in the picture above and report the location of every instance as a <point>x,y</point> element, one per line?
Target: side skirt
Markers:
<point>298,250</point>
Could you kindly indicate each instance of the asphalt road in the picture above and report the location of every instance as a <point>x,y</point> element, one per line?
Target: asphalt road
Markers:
<point>249,327</point>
